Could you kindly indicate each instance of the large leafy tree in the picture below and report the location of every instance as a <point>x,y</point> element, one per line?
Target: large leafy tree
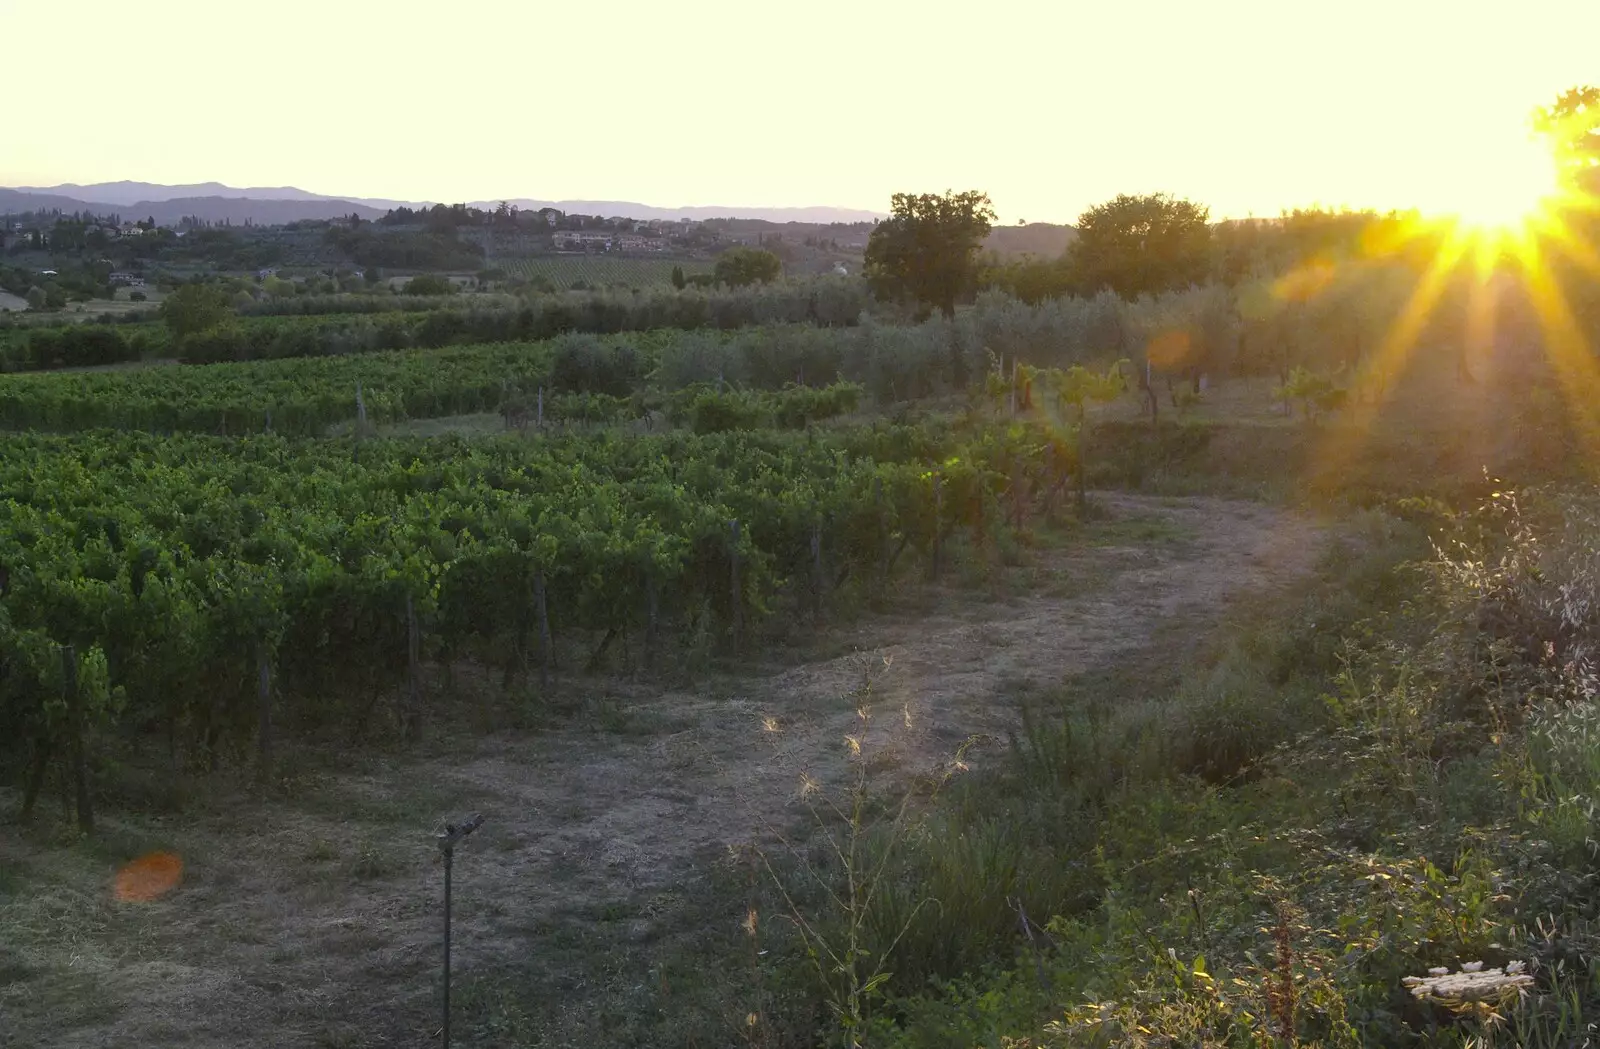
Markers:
<point>1572,127</point>
<point>927,249</point>
<point>739,267</point>
<point>1138,245</point>
<point>195,308</point>
<point>1572,124</point>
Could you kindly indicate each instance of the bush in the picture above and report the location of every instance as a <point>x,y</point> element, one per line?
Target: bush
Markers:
<point>430,284</point>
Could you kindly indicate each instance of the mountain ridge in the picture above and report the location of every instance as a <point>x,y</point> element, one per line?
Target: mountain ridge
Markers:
<point>216,202</point>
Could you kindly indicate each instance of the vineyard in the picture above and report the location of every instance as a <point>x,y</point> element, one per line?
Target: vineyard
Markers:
<point>598,271</point>
<point>185,571</point>
<point>362,324</point>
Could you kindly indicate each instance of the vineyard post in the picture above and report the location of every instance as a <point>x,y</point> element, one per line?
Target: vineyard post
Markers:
<point>413,667</point>
<point>269,420</point>
<point>979,528</point>
<point>539,418</point>
<point>1013,386</point>
<point>883,538</point>
<point>652,596</point>
<point>263,712</point>
<point>361,409</point>
<point>938,521</point>
<point>80,767</point>
<point>1017,509</point>
<point>44,747</point>
<point>1083,460</point>
<point>816,569</point>
<point>452,836</point>
<point>738,606</point>
<point>1049,480</point>
<point>544,628</point>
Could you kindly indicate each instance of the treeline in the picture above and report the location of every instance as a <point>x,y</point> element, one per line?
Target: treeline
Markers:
<point>1147,245</point>
<point>393,249</point>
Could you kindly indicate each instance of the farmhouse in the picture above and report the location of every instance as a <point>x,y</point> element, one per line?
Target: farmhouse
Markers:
<point>582,239</point>
<point>631,243</point>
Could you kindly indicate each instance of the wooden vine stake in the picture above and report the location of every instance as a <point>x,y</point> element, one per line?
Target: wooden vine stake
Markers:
<point>1049,481</point>
<point>413,712</point>
<point>883,537</point>
<point>737,605</point>
<point>539,411</point>
<point>80,764</point>
<point>817,583</point>
<point>938,521</point>
<point>545,644</point>
<point>263,712</point>
<point>1017,508</point>
<point>652,622</point>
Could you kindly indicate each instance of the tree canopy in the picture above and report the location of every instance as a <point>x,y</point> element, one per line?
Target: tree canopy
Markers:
<point>1137,245</point>
<point>1572,124</point>
<point>738,267</point>
<point>195,308</point>
<point>926,250</point>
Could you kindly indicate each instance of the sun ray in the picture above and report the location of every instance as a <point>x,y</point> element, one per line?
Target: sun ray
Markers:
<point>1386,362</point>
<point>1570,355</point>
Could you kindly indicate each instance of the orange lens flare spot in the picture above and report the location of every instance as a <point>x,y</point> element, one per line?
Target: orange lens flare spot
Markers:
<point>1305,283</point>
<point>1169,349</point>
<point>149,877</point>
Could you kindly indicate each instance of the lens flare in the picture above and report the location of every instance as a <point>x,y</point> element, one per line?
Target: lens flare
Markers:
<point>148,878</point>
<point>1503,187</point>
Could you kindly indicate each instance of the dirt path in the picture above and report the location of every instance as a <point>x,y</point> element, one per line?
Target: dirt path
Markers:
<point>315,924</point>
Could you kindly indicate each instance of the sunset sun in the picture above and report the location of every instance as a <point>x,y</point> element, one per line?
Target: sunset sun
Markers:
<point>1501,187</point>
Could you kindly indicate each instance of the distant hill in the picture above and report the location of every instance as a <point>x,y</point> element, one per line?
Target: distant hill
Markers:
<point>125,194</point>
<point>234,210</point>
<point>1044,239</point>
<point>216,202</point>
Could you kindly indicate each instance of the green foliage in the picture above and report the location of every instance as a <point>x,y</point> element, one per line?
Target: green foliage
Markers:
<point>179,556</point>
<point>430,284</point>
<point>1317,394</point>
<point>926,250</point>
<point>1422,796</point>
<point>1141,245</point>
<point>739,267</point>
<point>195,308</point>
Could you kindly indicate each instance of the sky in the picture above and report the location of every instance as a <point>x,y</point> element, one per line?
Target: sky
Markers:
<point>1247,106</point>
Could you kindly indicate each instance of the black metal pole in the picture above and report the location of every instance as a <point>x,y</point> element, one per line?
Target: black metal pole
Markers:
<point>452,836</point>
<point>449,862</point>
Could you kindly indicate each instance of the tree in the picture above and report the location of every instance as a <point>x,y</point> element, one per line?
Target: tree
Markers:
<point>1572,124</point>
<point>429,284</point>
<point>738,267</point>
<point>195,307</point>
<point>678,280</point>
<point>36,298</point>
<point>927,249</point>
<point>1137,245</point>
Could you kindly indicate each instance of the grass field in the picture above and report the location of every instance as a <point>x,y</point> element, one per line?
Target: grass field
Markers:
<point>565,270</point>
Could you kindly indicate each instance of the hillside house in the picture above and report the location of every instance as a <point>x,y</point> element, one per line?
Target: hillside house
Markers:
<point>633,243</point>
<point>582,240</point>
<point>127,280</point>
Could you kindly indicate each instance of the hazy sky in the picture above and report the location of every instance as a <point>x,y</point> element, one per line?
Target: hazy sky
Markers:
<point>1245,105</point>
